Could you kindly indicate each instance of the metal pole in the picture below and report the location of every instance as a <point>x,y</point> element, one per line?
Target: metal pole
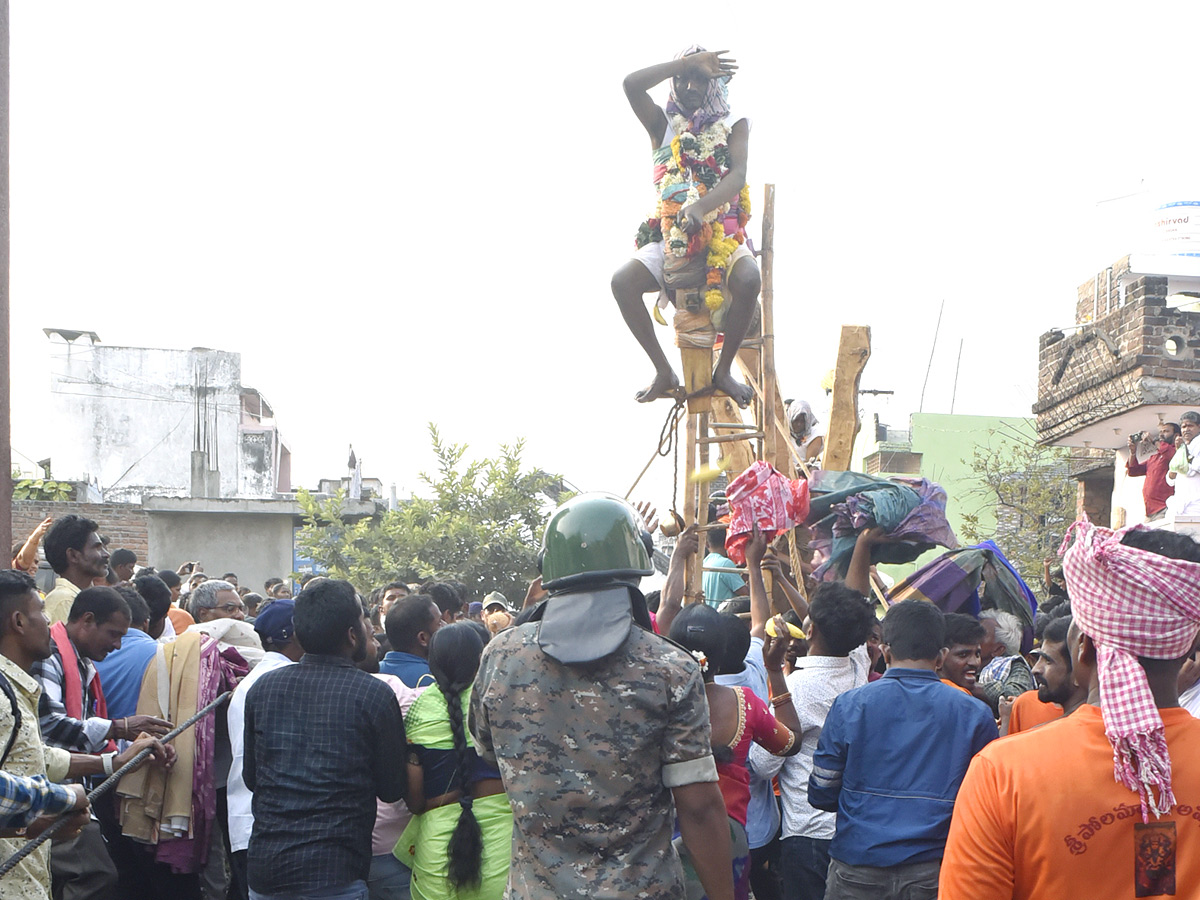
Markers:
<point>932,350</point>
<point>957,366</point>
<point>108,783</point>
<point>6,538</point>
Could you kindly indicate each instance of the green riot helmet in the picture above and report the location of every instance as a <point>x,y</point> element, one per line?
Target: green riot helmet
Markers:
<point>593,538</point>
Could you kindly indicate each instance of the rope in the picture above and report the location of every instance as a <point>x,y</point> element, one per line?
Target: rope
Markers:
<point>104,787</point>
<point>794,559</point>
<point>668,442</point>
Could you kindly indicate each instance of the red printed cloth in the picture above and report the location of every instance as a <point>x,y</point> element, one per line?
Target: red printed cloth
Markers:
<point>1132,603</point>
<point>762,495</point>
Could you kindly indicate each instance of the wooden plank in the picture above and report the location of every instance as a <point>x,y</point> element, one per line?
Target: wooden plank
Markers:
<point>767,355</point>
<point>730,438</point>
<point>788,444</point>
<point>697,374</point>
<point>740,454</point>
<point>786,452</point>
<point>701,501</point>
<point>692,585</point>
<point>854,350</point>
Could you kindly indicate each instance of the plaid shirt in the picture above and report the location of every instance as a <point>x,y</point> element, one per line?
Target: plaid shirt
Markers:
<point>322,741</point>
<point>24,799</point>
<point>86,735</point>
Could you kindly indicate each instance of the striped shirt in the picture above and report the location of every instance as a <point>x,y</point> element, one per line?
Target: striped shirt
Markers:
<point>86,735</point>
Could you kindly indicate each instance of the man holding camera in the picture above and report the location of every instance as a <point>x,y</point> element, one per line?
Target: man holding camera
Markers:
<point>1155,489</point>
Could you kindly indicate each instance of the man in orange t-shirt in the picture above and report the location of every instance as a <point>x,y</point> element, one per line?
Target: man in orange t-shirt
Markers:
<point>960,666</point>
<point>1058,693</point>
<point>1028,711</point>
<point>1042,814</point>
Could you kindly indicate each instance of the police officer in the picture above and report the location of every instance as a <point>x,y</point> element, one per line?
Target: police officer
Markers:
<point>600,727</point>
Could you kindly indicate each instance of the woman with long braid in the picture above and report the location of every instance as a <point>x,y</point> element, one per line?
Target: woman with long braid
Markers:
<point>458,843</point>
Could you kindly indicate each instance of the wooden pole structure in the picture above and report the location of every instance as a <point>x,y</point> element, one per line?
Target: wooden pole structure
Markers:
<point>700,491</point>
<point>692,584</point>
<point>767,351</point>
<point>854,350</point>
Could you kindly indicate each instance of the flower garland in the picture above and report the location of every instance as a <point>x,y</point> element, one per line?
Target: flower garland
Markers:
<point>700,658</point>
<point>697,164</point>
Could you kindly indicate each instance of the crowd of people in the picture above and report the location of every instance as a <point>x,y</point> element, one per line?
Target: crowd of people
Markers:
<point>412,741</point>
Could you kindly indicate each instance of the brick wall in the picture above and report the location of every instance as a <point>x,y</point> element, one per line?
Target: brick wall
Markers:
<point>1114,362</point>
<point>124,525</point>
<point>1094,498</point>
<point>1100,295</point>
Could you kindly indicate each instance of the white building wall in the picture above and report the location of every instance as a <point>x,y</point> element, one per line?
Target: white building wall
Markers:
<point>254,546</point>
<point>124,417</point>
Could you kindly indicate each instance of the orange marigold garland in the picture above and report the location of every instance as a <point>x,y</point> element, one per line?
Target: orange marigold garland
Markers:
<point>694,164</point>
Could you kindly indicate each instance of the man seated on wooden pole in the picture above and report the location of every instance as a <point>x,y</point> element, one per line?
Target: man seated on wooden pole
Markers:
<point>695,239</point>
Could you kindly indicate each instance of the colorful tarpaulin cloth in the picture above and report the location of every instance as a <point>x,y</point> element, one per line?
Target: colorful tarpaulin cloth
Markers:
<point>1132,603</point>
<point>762,496</point>
<point>955,581</point>
<point>911,510</point>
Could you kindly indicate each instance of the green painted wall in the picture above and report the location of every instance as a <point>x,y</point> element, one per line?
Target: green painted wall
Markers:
<point>947,445</point>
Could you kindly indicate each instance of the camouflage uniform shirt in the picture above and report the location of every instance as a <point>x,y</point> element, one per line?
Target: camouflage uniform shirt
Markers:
<point>588,755</point>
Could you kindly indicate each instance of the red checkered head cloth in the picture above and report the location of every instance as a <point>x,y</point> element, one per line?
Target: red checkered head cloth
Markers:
<point>1132,603</point>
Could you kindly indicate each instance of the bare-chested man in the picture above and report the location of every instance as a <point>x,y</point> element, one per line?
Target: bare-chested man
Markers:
<point>696,235</point>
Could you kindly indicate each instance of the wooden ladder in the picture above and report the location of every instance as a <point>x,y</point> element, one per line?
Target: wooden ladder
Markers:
<point>715,420</point>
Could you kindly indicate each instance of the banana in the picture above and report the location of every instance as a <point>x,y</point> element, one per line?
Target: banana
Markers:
<point>793,631</point>
<point>708,473</point>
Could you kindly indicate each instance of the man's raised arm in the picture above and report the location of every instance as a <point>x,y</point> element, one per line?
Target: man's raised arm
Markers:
<point>637,86</point>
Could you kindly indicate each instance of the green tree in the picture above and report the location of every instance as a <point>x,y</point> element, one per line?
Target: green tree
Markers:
<point>481,524</point>
<point>1030,488</point>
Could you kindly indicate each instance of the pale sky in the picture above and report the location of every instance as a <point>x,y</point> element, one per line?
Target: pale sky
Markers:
<point>401,213</point>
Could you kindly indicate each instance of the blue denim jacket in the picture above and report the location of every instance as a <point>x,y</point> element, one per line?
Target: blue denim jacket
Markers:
<point>890,761</point>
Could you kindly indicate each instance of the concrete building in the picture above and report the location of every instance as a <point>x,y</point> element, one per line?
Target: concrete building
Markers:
<point>254,538</point>
<point>142,421</point>
<point>1130,362</point>
<point>180,460</point>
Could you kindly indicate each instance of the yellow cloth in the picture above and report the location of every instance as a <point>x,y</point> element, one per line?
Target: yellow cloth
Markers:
<point>155,803</point>
<point>60,600</point>
<point>30,880</point>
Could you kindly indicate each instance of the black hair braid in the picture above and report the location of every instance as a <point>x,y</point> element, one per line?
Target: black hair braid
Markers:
<point>465,849</point>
